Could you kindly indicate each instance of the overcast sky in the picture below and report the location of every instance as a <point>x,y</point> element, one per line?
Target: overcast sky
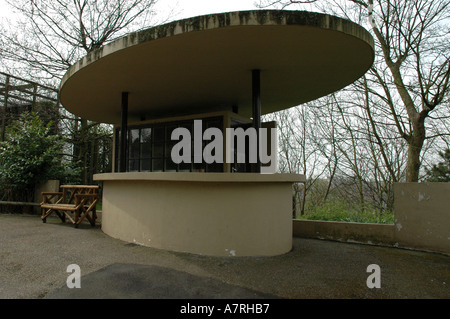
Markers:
<point>191,8</point>
<point>167,10</point>
<point>184,8</point>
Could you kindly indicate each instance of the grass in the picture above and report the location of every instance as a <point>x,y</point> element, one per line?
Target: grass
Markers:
<point>342,212</point>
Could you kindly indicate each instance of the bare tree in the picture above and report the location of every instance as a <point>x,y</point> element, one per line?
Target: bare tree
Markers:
<point>307,146</point>
<point>325,140</point>
<point>412,39</point>
<point>295,155</point>
<point>52,35</point>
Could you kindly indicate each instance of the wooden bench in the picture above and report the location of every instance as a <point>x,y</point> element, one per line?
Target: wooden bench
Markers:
<point>76,202</point>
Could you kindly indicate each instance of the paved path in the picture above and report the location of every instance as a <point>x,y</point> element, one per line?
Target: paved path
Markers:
<point>34,259</point>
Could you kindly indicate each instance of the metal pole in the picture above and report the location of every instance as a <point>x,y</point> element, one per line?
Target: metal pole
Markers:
<point>123,134</point>
<point>256,108</point>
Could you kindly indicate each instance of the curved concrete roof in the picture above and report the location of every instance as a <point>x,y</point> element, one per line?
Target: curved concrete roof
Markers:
<point>204,64</point>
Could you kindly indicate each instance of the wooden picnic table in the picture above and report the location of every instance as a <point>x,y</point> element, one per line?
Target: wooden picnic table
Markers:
<point>76,202</point>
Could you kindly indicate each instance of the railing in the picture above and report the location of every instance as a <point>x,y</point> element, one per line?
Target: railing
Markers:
<point>18,95</point>
<point>19,203</point>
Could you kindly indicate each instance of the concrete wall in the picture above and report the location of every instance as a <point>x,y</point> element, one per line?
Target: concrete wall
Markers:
<point>48,186</point>
<point>422,216</point>
<point>422,221</point>
<point>374,234</point>
<point>248,215</point>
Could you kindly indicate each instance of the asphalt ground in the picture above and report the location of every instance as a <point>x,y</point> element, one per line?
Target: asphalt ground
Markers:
<point>34,260</point>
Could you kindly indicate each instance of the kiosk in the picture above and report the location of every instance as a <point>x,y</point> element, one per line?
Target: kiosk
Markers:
<point>225,70</point>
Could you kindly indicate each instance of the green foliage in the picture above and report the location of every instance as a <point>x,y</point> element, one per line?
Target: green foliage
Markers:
<point>339,210</point>
<point>31,155</point>
<point>441,171</point>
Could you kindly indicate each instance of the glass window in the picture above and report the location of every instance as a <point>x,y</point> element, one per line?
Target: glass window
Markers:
<point>158,150</point>
<point>170,165</point>
<point>158,134</point>
<point>199,167</point>
<point>169,130</point>
<point>146,142</point>
<point>158,165</point>
<point>146,165</point>
<point>215,167</point>
<point>133,166</point>
<point>135,145</point>
<point>185,167</point>
<point>150,147</point>
<point>117,150</point>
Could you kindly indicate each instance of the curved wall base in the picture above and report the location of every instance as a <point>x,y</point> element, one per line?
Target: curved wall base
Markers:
<point>208,215</point>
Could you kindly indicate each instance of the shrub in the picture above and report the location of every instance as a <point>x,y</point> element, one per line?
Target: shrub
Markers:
<point>440,172</point>
<point>338,210</point>
<point>30,155</point>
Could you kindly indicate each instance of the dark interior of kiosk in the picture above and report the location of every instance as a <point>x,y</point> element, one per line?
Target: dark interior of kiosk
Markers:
<point>150,146</point>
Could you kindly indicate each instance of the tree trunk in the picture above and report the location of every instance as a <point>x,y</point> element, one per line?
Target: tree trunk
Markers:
<point>82,156</point>
<point>415,144</point>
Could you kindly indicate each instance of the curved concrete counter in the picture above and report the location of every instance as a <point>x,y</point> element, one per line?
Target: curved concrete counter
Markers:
<point>215,214</point>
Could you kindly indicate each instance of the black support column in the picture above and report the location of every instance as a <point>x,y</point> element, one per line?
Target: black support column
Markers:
<point>123,134</point>
<point>256,110</point>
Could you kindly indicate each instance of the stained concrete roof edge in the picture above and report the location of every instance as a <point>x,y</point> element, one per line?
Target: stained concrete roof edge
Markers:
<point>221,20</point>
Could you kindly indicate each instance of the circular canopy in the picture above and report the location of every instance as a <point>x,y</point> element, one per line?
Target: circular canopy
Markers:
<point>204,64</point>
